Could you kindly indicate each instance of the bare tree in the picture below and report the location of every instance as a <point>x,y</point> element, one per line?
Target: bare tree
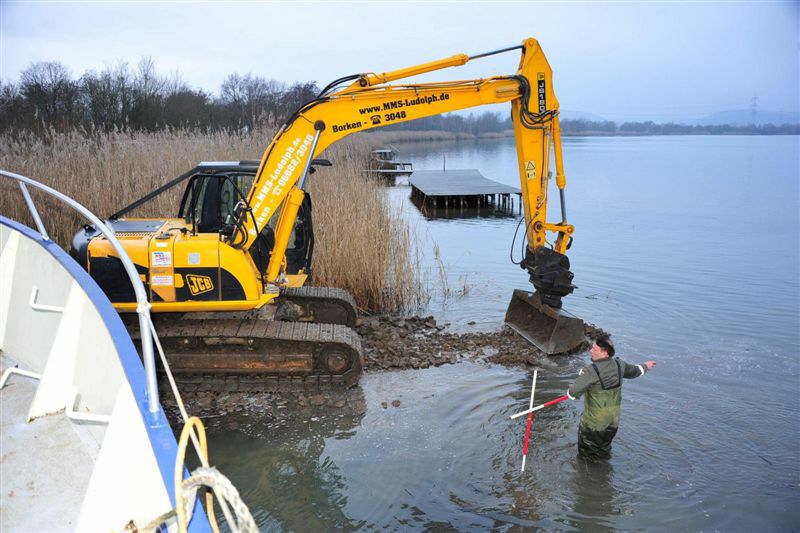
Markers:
<point>187,108</point>
<point>107,97</point>
<point>12,106</point>
<point>252,99</point>
<point>148,95</point>
<point>51,95</point>
<point>293,98</point>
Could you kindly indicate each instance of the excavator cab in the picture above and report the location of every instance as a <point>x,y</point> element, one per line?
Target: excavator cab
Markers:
<point>210,202</point>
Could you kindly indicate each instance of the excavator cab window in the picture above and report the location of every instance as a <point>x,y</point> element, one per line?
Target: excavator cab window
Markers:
<point>212,199</point>
<point>301,243</point>
<point>229,193</point>
<point>210,203</point>
<point>300,248</point>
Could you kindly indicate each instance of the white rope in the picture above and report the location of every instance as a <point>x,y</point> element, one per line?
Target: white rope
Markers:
<point>211,477</point>
<point>208,477</point>
<point>223,503</point>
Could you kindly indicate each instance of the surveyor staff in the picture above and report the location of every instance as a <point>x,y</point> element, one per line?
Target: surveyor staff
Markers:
<point>530,420</point>
<point>538,407</point>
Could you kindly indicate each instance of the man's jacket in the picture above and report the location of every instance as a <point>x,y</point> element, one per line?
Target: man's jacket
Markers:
<point>602,383</point>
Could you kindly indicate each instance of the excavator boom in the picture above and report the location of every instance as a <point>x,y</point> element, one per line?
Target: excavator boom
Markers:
<point>370,102</point>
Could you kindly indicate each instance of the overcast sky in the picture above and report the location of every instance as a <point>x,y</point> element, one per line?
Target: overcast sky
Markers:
<point>620,60</point>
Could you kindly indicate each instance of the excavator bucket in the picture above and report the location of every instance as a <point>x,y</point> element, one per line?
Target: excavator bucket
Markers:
<point>549,329</point>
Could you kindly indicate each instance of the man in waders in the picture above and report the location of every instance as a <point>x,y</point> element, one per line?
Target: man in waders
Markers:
<point>601,380</point>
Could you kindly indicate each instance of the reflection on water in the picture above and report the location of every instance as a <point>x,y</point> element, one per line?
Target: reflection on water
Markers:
<point>686,249</point>
<point>595,494</point>
<point>431,212</point>
<point>280,465</point>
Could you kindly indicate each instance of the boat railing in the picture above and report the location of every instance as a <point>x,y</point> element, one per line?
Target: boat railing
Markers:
<point>143,305</point>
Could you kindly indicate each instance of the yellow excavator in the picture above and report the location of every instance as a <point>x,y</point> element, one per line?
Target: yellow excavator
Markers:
<point>242,238</point>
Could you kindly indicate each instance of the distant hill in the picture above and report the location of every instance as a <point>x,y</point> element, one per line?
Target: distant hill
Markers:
<point>743,117</point>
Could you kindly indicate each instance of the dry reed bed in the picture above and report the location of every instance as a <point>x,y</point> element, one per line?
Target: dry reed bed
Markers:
<point>362,244</point>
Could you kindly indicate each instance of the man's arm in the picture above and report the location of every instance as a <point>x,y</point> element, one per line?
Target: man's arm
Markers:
<point>586,378</point>
<point>630,371</point>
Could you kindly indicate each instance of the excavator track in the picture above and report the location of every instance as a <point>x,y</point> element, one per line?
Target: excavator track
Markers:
<point>249,355</point>
<point>316,304</point>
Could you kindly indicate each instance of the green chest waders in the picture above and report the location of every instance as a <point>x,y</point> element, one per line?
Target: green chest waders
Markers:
<point>601,412</point>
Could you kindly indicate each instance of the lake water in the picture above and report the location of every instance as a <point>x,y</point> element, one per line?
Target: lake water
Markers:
<point>686,250</point>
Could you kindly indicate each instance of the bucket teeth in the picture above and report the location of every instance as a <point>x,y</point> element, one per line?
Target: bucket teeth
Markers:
<point>549,329</point>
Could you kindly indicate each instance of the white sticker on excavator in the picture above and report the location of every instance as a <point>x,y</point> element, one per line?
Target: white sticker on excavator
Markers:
<point>161,259</point>
<point>161,281</point>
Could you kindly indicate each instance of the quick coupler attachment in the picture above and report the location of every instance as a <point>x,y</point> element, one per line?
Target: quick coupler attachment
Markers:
<point>550,274</point>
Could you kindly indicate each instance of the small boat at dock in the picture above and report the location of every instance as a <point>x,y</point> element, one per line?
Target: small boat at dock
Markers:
<point>383,162</point>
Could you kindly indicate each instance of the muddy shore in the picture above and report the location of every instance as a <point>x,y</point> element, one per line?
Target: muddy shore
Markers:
<point>419,342</point>
<point>389,343</point>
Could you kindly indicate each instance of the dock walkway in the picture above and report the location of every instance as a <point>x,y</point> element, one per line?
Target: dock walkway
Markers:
<point>460,188</point>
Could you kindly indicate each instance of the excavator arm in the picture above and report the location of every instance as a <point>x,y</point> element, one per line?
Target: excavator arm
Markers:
<point>369,102</point>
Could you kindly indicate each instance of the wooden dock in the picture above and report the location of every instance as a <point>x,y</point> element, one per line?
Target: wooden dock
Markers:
<point>459,188</point>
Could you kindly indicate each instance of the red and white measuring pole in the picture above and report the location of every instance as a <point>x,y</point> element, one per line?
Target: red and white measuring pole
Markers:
<point>530,420</point>
<point>530,411</point>
<point>539,407</point>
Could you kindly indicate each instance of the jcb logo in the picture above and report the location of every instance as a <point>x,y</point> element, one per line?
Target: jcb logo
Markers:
<point>199,284</point>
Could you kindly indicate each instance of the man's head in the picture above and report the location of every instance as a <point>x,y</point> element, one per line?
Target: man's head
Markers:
<point>602,348</point>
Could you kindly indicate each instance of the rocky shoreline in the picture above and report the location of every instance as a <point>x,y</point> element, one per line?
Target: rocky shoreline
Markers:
<point>419,342</point>
<point>389,343</point>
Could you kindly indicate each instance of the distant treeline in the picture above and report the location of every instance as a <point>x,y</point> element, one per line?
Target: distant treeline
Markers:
<point>607,127</point>
<point>47,98</point>
<point>470,125</point>
<point>491,123</point>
